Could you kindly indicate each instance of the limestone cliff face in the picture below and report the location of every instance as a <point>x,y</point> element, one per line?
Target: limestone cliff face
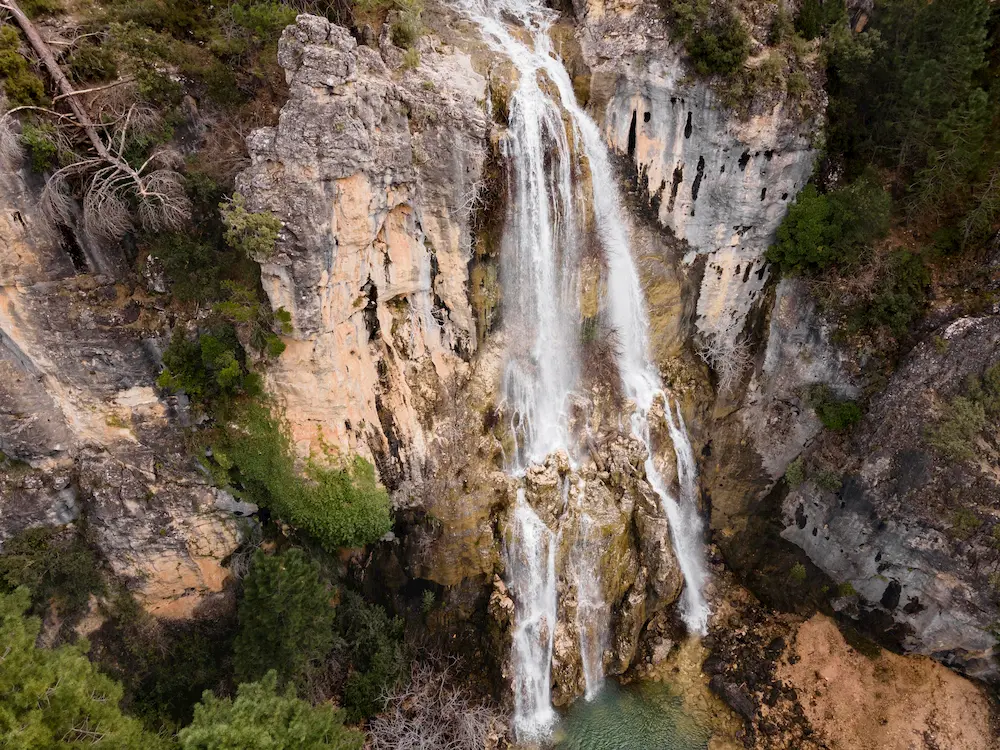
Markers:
<point>894,529</point>
<point>373,170</point>
<point>82,427</point>
<point>721,182</point>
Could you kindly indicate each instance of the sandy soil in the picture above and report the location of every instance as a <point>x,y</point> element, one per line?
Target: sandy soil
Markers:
<point>889,702</point>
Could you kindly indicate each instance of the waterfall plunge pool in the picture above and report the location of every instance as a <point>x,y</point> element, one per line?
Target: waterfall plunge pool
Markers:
<point>639,716</point>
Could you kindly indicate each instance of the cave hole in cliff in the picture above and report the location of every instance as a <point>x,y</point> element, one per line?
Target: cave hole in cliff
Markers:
<point>744,160</point>
<point>784,196</point>
<point>371,309</point>
<point>763,194</point>
<point>69,245</point>
<point>698,177</point>
<point>646,116</point>
<point>631,135</point>
<point>688,127</point>
<point>746,274</point>
<point>675,183</point>
<point>723,169</point>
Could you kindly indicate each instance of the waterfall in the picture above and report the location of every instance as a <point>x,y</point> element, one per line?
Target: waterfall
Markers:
<point>531,562</point>
<point>591,611</point>
<point>539,271</point>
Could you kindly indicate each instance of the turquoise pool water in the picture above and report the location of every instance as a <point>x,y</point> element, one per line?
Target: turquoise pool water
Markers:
<point>642,716</point>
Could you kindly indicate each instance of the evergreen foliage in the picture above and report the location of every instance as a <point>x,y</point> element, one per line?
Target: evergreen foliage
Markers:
<point>713,34</point>
<point>373,646</point>
<point>286,618</point>
<point>262,718</point>
<point>56,565</point>
<point>252,233</point>
<point>55,698</point>
<point>835,414</point>
<point>20,85</point>
<point>964,423</point>
<point>821,230</point>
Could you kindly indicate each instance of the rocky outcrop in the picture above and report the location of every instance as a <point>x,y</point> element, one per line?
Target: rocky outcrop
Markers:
<point>373,169</point>
<point>84,432</point>
<point>906,529</point>
<point>720,181</point>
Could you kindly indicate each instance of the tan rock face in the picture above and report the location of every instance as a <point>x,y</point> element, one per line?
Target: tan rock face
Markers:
<point>372,170</point>
<point>887,703</point>
<point>78,408</point>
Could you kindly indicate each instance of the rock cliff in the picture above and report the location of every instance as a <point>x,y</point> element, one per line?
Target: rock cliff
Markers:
<point>85,437</point>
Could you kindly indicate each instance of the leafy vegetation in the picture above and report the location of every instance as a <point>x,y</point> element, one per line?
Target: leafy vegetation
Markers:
<point>373,644</point>
<point>262,718</point>
<point>957,434</point>
<point>340,507</point>
<point>55,698</point>
<point>823,229</point>
<point>56,565</point>
<point>713,34</point>
<point>286,618</point>
<point>252,233</point>
<point>20,85</point>
<point>835,414</point>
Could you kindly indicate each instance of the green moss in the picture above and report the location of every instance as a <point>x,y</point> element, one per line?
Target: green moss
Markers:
<point>795,474</point>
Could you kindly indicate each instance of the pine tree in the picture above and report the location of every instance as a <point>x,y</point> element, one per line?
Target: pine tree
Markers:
<point>286,619</point>
<point>261,718</point>
<point>55,698</point>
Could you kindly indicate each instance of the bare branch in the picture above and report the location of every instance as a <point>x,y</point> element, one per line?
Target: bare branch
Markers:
<point>81,92</point>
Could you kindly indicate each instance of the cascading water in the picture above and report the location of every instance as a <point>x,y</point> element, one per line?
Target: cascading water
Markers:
<point>591,611</point>
<point>541,312</point>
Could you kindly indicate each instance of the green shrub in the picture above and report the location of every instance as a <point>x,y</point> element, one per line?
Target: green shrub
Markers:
<point>834,413</point>
<point>846,589</point>
<point>964,523</point>
<point>190,263</point>
<point>253,233</point>
<point>20,84</point>
<point>798,573</point>
<point>56,565</point>
<point>406,30</point>
<point>262,21</point>
<point>92,63</point>
<point>956,433</point>
<point>262,718</point>
<point>40,140</point>
<point>900,296</point>
<point>820,230</point>
<point>286,618</point>
<point>55,698</point>
<point>373,645</point>
<point>41,8</point>
<point>815,16</point>
<point>828,480</point>
<point>795,474</point>
<point>209,368</point>
<point>339,507</point>
<point>713,35</point>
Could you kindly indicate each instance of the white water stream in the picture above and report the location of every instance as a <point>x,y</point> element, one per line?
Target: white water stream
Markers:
<point>540,260</point>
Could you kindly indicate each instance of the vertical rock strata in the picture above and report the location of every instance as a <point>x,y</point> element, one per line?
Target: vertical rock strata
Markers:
<point>373,170</point>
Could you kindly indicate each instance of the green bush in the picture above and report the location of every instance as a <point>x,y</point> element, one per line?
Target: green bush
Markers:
<point>965,523</point>
<point>20,84</point>
<point>253,233</point>
<point>339,507</point>
<point>92,63</point>
<point>798,573</point>
<point>286,618</point>
<point>956,433</point>
<point>190,263</point>
<point>373,644</point>
<point>795,474</point>
<point>713,35</point>
<point>815,16</point>
<point>41,8</point>
<point>55,698</point>
<point>821,230</point>
<point>40,140</point>
<point>900,296</point>
<point>57,566</point>
<point>834,413</point>
<point>210,368</point>
<point>262,718</point>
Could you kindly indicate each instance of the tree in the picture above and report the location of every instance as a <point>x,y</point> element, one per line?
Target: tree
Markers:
<point>286,619</point>
<point>261,718</point>
<point>116,192</point>
<point>56,698</point>
<point>255,233</point>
